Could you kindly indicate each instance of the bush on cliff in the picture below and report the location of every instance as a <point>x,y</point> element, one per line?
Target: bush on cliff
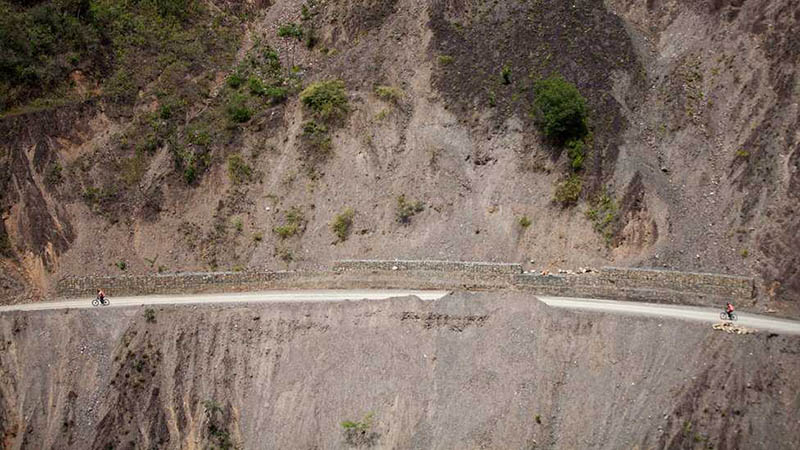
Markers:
<point>560,109</point>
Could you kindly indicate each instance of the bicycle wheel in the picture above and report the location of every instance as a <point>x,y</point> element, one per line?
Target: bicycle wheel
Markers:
<point>723,315</point>
<point>95,302</point>
<point>733,316</point>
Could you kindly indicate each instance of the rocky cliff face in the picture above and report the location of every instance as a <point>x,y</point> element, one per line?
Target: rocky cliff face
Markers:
<point>471,370</point>
<point>209,159</point>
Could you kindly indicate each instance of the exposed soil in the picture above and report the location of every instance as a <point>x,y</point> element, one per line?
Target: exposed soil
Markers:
<point>472,370</point>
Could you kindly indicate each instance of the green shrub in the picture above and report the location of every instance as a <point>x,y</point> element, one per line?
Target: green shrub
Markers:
<point>238,170</point>
<point>276,94</point>
<point>150,315</point>
<point>524,222</point>
<point>317,136</point>
<point>360,434</point>
<point>604,214</point>
<point>293,224</point>
<point>120,88</point>
<point>238,225</point>
<point>285,254</point>
<point>325,99</point>
<point>576,153</point>
<point>121,265</point>
<point>311,38</point>
<point>256,86</point>
<point>342,223</point>
<point>560,109</point>
<point>235,80</point>
<point>505,74</point>
<point>445,60</point>
<point>389,93</point>
<point>568,191</point>
<point>238,112</point>
<point>290,30</point>
<point>406,209</point>
<point>258,236</point>
<point>54,175</point>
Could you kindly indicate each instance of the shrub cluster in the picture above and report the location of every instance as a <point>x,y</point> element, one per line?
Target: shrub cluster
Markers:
<point>326,99</point>
<point>568,191</point>
<point>238,170</point>
<point>293,225</point>
<point>560,109</point>
<point>342,223</point>
<point>406,209</point>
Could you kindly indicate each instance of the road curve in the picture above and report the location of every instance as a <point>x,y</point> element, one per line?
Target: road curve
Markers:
<point>694,313</point>
<point>317,295</point>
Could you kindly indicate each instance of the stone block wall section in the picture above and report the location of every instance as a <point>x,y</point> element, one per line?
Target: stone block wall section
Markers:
<point>423,265</point>
<point>650,285</point>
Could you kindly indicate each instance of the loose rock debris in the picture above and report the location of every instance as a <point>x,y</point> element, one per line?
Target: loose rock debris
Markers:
<point>729,327</point>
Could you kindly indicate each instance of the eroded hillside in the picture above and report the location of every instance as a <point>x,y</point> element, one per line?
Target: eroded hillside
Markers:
<point>186,143</point>
<point>468,371</point>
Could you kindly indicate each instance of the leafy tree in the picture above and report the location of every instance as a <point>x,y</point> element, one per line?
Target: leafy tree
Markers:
<point>560,109</point>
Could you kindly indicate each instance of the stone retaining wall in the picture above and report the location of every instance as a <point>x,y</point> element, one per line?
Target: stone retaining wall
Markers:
<point>436,266</point>
<point>610,282</point>
<point>665,286</point>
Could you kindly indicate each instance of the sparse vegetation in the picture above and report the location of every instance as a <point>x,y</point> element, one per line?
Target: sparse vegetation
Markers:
<point>290,29</point>
<point>121,265</point>
<point>505,74</point>
<point>238,170</point>
<point>524,222</point>
<point>317,136</point>
<point>560,109</point>
<point>445,60</point>
<point>238,111</point>
<point>568,190</point>
<point>235,80</point>
<point>258,236</point>
<point>217,432</point>
<point>576,153</point>
<point>744,253</point>
<point>238,225</point>
<point>389,93</point>
<point>603,213</point>
<point>285,254</point>
<point>150,315</point>
<point>359,434</point>
<point>342,224</point>
<point>326,99</point>
<point>293,224</point>
<point>54,175</point>
<point>406,209</point>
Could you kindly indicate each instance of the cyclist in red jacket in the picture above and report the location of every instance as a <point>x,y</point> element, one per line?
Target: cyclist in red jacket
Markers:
<point>729,310</point>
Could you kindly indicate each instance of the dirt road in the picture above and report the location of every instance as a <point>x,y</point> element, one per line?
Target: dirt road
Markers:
<point>671,311</point>
<point>317,295</point>
<point>332,295</point>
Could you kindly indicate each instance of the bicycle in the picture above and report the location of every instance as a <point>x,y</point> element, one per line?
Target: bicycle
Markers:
<point>98,302</point>
<point>724,316</point>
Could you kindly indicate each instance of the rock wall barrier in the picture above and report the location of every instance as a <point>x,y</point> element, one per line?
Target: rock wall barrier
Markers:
<point>424,265</point>
<point>650,285</point>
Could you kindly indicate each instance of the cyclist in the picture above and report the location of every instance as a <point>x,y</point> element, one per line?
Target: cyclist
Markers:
<point>102,296</point>
<point>729,310</point>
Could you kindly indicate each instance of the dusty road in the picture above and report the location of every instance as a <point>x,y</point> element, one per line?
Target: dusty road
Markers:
<point>333,295</point>
<point>317,295</point>
<point>748,320</point>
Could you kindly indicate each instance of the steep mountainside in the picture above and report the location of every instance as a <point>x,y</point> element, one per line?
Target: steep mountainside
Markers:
<point>467,371</point>
<point>182,135</point>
